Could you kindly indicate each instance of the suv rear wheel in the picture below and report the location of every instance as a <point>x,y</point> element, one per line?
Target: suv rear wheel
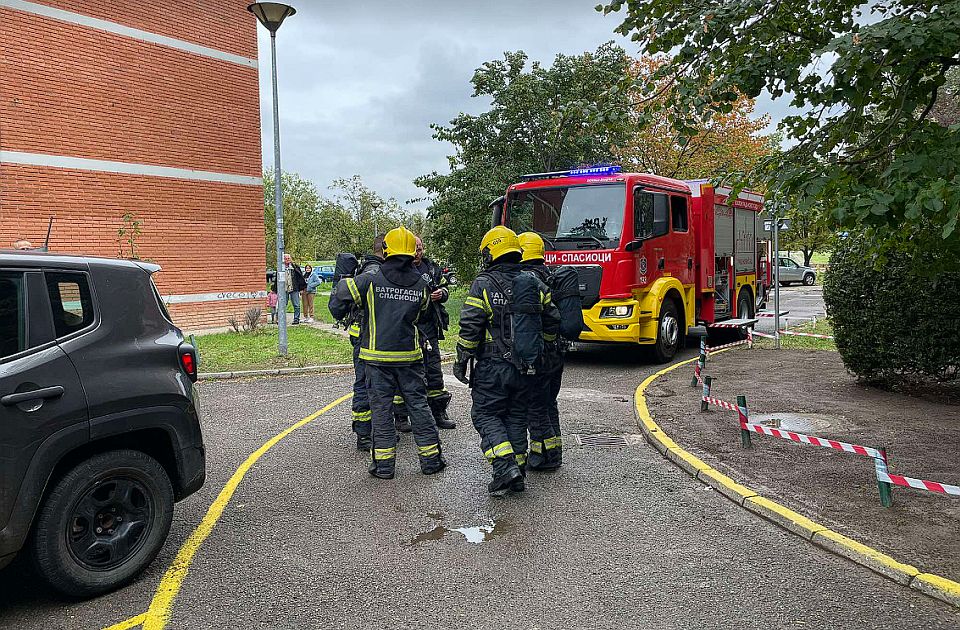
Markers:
<point>809,279</point>
<point>103,522</point>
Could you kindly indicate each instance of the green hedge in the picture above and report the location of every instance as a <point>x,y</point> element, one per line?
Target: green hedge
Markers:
<point>892,321</point>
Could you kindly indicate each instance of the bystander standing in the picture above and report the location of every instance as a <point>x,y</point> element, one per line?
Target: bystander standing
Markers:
<point>294,284</point>
<point>313,279</point>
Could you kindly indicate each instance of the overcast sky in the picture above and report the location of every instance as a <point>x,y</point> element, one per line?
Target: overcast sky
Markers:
<point>361,81</point>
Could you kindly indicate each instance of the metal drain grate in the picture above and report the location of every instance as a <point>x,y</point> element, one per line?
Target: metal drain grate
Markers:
<point>607,440</point>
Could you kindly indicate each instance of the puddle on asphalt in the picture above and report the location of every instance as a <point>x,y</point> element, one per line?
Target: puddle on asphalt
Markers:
<point>475,534</point>
<point>805,423</point>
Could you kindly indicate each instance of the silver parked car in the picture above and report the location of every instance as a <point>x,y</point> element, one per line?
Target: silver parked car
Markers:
<point>791,271</point>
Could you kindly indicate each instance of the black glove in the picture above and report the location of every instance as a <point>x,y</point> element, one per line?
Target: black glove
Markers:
<point>460,365</point>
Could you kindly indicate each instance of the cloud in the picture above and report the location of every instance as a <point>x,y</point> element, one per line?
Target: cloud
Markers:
<point>361,82</point>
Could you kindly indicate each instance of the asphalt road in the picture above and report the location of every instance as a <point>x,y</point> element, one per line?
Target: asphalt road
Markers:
<point>798,305</point>
<point>619,538</point>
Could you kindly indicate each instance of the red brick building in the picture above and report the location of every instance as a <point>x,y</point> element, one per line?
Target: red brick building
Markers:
<point>144,108</point>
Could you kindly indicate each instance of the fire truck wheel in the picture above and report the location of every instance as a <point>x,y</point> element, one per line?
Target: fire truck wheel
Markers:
<point>669,335</point>
<point>745,305</point>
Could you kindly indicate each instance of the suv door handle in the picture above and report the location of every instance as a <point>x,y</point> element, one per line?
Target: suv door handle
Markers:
<point>44,393</point>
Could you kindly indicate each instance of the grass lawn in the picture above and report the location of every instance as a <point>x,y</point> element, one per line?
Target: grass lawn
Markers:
<point>457,295</point>
<point>228,352</point>
<point>820,258</point>
<point>822,327</point>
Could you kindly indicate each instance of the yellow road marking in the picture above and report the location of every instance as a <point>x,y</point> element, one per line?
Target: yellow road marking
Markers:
<point>158,615</point>
<point>132,622</point>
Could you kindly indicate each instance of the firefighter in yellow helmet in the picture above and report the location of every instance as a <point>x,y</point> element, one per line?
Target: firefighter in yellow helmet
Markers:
<point>501,387</point>
<point>392,300</point>
<point>545,441</point>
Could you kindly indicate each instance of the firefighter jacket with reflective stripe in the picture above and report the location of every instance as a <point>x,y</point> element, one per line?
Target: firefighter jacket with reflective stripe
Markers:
<point>369,265</point>
<point>557,347</point>
<point>435,320</point>
<point>392,304</point>
<point>485,308</point>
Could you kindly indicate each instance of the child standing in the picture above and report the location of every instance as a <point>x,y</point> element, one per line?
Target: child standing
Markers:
<point>272,300</point>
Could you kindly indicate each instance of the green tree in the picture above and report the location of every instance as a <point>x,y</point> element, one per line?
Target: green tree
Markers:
<point>864,78</point>
<point>318,228</point>
<point>301,204</point>
<point>540,119</point>
<point>728,141</point>
<point>946,110</point>
<point>810,231</point>
<point>352,217</point>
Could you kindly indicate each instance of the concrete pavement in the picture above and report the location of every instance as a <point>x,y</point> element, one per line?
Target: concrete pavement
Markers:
<point>618,538</point>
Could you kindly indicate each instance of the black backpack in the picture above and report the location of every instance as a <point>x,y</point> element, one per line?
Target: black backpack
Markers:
<point>566,295</point>
<point>345,267</point>
<point>521,331</point>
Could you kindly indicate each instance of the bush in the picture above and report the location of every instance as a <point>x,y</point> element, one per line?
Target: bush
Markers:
<point>893,321</point>
<point>252,320</point>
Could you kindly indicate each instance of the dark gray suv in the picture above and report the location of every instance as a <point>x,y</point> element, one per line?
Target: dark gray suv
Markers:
<point>99,429</point>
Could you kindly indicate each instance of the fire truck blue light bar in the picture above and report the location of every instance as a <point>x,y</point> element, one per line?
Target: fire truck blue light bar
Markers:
<point>595,170</point>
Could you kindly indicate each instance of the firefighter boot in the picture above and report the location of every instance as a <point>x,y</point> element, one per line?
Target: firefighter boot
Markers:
<point>505,474</point>
<point>519,485</point>
<point>438,407</point>
<point>433,464</point>
<point>554,458</point>
<point>400,416</point>
<point>431,457</point>
<point>383,468</point>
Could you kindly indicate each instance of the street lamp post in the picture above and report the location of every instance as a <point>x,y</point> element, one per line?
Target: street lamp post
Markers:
<point>777,222</point>
<point>375,205</point>
<point>272,15</point>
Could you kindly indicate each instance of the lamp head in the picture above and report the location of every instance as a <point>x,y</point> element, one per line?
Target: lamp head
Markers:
<point>271,14</point>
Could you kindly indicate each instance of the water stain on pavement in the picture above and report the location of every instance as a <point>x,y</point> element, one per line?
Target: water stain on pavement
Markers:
<point>475,534</point>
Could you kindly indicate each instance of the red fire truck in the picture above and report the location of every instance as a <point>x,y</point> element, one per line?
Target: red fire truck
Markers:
<point>657,258</point>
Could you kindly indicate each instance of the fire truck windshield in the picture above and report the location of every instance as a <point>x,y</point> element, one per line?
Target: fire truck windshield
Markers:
<point>570,213</point>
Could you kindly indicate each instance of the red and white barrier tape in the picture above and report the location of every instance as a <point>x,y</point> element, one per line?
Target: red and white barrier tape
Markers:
<point>724,325</point>
<point>920,484</point>
<point>728,345</point>
<point>813,440</point>
<point>803,334</point>
<point>719,403</point>
<point>791,332</point>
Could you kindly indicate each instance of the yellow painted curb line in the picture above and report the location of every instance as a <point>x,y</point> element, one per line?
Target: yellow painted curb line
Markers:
<point>933,585</point>
<point>158,615</point>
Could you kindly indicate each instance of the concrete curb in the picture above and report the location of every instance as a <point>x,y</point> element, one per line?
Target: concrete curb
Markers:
<point>214,376</point>
<point>933,585</point>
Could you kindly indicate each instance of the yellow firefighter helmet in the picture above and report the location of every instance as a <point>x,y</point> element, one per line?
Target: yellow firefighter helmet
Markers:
<point>532,246</point>
<point>399,242</point>
<point>497,242</point>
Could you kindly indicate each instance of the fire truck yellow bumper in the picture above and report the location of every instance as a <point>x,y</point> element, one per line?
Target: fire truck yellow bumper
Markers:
<point>619,320</point>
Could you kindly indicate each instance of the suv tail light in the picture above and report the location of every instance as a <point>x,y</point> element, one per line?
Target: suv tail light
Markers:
<point>188,360</point>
